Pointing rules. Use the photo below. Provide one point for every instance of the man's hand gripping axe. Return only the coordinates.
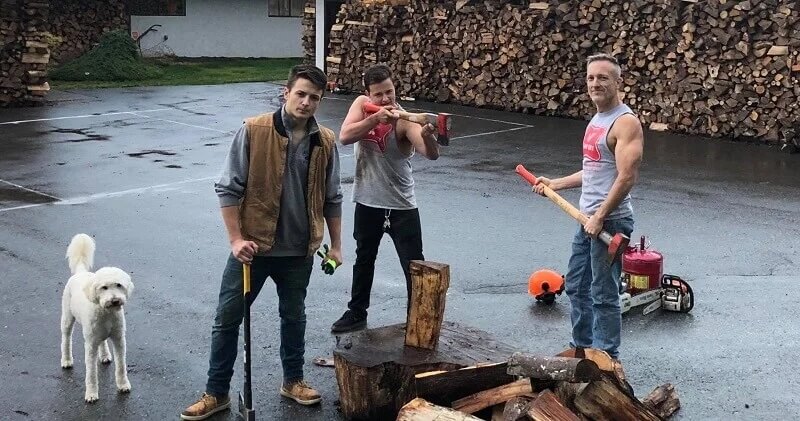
(440, 121)
(616, 243)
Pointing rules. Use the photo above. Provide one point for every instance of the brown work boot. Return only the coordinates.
(205, 407)
(301, 392)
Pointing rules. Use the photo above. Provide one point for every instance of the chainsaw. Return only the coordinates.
(675, 294)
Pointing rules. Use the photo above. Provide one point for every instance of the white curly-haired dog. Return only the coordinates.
(96, 301)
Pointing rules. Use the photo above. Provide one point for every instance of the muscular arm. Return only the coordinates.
(355, 126)
(421, 138)
(628, 153)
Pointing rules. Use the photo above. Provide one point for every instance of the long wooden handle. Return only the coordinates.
(553, 196)
(370, 108)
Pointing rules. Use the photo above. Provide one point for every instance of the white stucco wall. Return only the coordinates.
(230, 28)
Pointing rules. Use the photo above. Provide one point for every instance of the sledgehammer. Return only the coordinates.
(440, 121)
(616, 243)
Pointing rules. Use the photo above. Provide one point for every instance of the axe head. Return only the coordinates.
(442, 123)
(617, 246)
(443, 127)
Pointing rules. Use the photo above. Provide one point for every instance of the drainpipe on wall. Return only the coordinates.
(319, 34)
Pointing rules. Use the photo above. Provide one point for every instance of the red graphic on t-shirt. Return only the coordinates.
(379, 134)
(591, 142)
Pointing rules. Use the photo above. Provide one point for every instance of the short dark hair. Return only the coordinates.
(311, 73)
(376, 74)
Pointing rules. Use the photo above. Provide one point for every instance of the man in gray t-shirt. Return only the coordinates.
(612, 152)
(383, 188)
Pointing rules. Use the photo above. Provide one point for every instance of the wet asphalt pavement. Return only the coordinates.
(135, 168)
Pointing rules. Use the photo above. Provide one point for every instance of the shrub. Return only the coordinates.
(115, 58)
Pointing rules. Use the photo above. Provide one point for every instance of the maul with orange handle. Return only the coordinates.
(440, 121)
(616, 243)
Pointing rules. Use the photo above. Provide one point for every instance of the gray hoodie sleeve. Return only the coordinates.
(233, 180)
(333, 188)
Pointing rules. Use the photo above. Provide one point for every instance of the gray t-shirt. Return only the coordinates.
(600, 165)
(292, 232)
(383, 176)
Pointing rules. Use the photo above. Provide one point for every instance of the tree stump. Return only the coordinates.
(375, 369)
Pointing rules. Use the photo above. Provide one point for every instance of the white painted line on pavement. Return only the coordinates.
(29, 190)
(79, 116)
(182, 124)
(96, 196)
(488, 133)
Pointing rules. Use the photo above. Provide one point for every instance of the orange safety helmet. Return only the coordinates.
(545, 284)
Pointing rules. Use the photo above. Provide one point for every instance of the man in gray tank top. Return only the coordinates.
(612, 152)
(383, 188)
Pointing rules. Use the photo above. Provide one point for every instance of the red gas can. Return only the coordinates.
(642, 268)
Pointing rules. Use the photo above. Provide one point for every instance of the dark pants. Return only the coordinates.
(406, 233)
(291, 275)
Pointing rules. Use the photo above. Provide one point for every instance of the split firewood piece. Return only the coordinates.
(663, 400)
(476, 402)
(573, 370)
(515, 408)
(547, 407)
(421, 410)
(605, 400)
(444, 387)
(604, 362)
(566, 392)
(430, 282)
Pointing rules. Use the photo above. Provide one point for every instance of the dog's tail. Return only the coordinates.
(80, 253)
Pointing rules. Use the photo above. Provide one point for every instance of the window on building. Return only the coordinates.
(286, 8)
(157, 7)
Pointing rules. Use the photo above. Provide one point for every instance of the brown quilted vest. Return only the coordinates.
(261, 205)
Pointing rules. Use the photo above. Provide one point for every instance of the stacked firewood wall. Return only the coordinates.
(80, 24)
(309, 38)
(25, 51)
(719, 68)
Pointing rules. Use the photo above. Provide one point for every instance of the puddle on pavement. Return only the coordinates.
(151, 152)
(88, 135)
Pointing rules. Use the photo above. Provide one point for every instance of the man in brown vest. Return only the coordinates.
(279, 187)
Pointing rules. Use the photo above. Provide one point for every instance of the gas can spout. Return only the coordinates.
(641, 244)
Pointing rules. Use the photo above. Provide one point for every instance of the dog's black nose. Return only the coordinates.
(116, 302)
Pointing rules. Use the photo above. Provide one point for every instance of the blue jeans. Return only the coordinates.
(593, 284)
(291, 275)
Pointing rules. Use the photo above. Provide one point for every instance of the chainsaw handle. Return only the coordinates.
(527, 175)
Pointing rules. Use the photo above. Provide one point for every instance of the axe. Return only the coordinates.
(616, 243)
(440, 121)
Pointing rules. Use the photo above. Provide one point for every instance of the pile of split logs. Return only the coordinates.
(25, 52)
(80, 24)
(427, 369)
(718, 67)
(528, 387)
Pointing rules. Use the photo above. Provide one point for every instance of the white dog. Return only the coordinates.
(96, 301)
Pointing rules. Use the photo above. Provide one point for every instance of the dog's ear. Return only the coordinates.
(128, 284)
(90, 291)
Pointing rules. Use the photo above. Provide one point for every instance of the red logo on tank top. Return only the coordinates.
(591, 142)
(379, 134)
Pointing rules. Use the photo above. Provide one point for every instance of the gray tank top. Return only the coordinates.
(383, 172)
(600, 165)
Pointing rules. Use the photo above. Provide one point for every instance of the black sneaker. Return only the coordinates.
(349, 322)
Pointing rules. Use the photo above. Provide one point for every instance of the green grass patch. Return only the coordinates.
(196, 71)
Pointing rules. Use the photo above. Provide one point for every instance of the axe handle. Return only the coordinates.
(421, 119)
(553, 196)
(561, 202)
